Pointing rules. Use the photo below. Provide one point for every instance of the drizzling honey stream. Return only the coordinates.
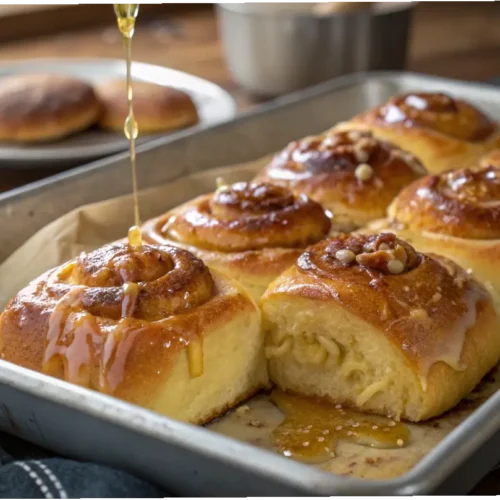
(126, 15)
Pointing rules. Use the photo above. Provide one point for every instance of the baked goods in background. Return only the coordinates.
(50, 107)
(45, 107)
(368, 321)
(251, 231)
(455, 214)
(157, 108)
(352, 174)
(330, 8)
(441, 131)
(150, 324)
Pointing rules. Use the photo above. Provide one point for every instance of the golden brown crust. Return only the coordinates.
(117, 319)
(491, 159)
(443, 132)
(352, 174)
(157, 108)
(252, 231)
(463, 203)
(424, 309)
(43, 107)
(437, 112)
(245, 216)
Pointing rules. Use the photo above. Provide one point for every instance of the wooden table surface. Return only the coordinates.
(458, 40)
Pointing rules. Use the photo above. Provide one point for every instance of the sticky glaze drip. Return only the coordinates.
(450, 350)
(312, 428)
(135, 236)
(130, 294)
(195, 356)
(95, 325)
(117, 346)
(426, 309)
(126, 15)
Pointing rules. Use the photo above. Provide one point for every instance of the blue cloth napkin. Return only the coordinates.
(27, 471)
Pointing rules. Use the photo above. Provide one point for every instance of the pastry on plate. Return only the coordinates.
(151, 325)
(45, 107)
(455, 214)
(441, 131)
(367, 321)
(157, 108)
(251, 231)
(352, 174)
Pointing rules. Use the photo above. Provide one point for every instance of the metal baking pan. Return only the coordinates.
(193, 461)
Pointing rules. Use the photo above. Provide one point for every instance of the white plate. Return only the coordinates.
(213, 103)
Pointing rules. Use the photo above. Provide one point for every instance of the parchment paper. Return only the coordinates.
(91, 226)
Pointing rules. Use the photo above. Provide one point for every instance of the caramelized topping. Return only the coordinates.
(480, 186)
(341, 153)
(112, 294)
(352, 174)
(463, 203)
(438, 112)
(134, 236)
(380, 252)
(240, 199)
(247, 216)
(312, 428)
(424, 304)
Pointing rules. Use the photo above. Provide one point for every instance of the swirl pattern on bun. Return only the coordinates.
(442, 131)
(143, 324)
(462, 203)
(252, 231)
(352, 174)
(368, 321)
(455, 214)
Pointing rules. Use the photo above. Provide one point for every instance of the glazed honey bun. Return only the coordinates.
(443, 132)
(148, 324)
(456, 214)
(352, 174)
(367, 321)
(252, 231)
(45, 107)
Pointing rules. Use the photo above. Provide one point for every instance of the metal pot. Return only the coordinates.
(271, 49)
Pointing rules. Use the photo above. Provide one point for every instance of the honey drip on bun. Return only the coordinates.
(126, 15)
(110, 297)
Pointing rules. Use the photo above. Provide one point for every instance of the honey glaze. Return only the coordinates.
(195, 356)
(312, 428)
(117, 346)
(126, 15)
(75, 337)
(70, 341)
(135, 236)
(130, 294)
(109, 302)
